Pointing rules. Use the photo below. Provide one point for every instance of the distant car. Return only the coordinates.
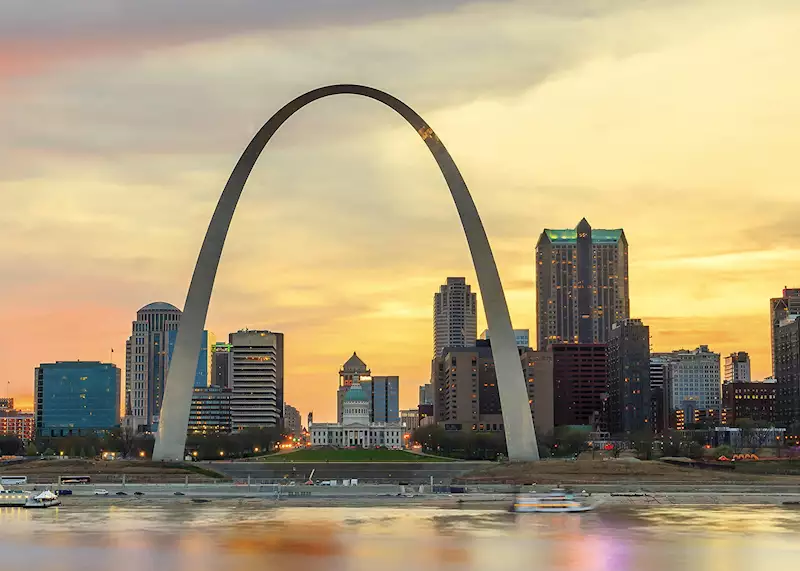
(121, 494)
(138, 493)
(179, 494)
(63, 492)
(101, 492)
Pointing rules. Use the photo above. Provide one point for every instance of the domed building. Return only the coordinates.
(355, 430)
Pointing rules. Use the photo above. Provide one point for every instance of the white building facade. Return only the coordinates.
(737, 368)
(255, 373)
(356, 430)
(694, 379)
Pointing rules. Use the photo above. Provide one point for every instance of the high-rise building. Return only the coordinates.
(426, 393)
(455, 316)
(660, 391)
(204, 374)
(76, 398)
(256, 377)
(353, 371)
(291, 420)
(787, 372)
(409, 419)
(737, 368)
(581, 284)
(580, 376)
(384, 394)
(6, 404)
(537, 366)
(629, 377)
(695, 382)
(780, 309)
(210, 411)
(756, 401)
(466, 392)
(220, 364)
(523, 337)
(147, 361)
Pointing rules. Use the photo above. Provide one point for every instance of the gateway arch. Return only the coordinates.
(171, 438)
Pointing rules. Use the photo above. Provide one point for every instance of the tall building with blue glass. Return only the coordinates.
(76, 398)
(384, 394)
(204, 373)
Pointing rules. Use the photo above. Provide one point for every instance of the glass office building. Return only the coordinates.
(77, 398)
(203, 376)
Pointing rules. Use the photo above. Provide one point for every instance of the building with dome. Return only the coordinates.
(355, 428)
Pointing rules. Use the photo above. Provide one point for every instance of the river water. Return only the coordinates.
(241, 535)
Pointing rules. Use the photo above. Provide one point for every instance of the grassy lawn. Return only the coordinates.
(351, 455)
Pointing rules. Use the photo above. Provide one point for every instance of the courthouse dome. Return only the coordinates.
(159, 306)
(355, 394)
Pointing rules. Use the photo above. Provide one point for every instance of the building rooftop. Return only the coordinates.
(354, 364)
(159, 306)
(570, 235)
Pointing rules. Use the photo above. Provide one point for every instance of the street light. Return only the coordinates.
(221, 453)
(141, 453)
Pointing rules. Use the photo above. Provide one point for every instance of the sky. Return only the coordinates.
(120, 121)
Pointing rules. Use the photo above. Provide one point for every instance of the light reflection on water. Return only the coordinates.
(234, 536)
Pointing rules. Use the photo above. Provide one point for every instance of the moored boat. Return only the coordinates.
(12, 498)
(46, 499)
(556, 501)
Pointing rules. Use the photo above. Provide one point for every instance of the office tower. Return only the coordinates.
(256, 377)
(6, 404)
(780, 309)
(384, 393)
(787, 373)
(353, 371)
(409, 419)
(147, 362)
(737, 368)
(466, 396)
(694, 380)
(455, 316)
(537, 366)
(204, 374)
(581, 284)
(580, 376)
(220, 364)
(291, 420)
(629, 377)
(76, 398)
(210, 411)
(523, 337)
(755, 401)
(426, 393)
(660, 391)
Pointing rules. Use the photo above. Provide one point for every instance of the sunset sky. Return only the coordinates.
(120, 122)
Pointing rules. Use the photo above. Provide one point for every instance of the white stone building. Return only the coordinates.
(356, 430)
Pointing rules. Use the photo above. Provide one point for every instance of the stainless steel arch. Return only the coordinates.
(520, 436)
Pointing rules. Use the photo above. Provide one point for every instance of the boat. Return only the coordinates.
(555, 501)
(12, 498)
(46, 499)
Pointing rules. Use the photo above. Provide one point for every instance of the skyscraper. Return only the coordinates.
(629, 376)
(660, 391)
(780, 309)
(204, 374)
(384, 393)
(737, 368)
(256, 377)
(426, 393)
(455, 316)
(581, 284)
(147, 361)
(787, 373)
(220, 354)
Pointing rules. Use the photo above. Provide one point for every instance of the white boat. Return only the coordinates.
(556, 501)
(12, 498)
(46, 499)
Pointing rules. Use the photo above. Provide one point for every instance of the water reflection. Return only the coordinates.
(244, 535)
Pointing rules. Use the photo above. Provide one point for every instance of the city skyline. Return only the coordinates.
(87, 249)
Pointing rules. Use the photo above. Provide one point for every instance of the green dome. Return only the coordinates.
(355, 394)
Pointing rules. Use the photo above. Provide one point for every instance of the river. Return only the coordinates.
(232, 535)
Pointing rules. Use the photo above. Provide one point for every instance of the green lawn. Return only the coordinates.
(351, 455)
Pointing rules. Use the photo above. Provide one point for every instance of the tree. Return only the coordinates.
(11, 446)
(31, 450)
